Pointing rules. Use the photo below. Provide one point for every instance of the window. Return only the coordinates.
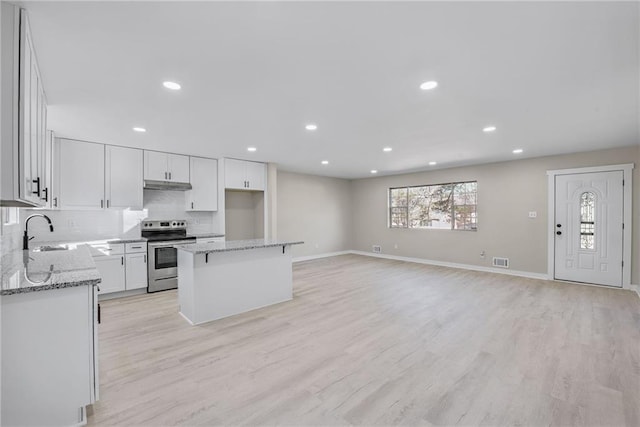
(444, 206)
(587, 220)
(9, 216)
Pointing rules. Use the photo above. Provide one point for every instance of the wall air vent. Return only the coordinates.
(377, 249)
(501, 262)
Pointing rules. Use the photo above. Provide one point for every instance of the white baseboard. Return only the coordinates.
(317, 256)
(121, 294)
(527, 274)
(635, 288)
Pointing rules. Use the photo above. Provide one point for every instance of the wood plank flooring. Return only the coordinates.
(369, 341)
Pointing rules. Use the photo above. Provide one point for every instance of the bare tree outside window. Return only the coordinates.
(443, 206)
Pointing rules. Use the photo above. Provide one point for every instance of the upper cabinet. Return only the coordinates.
(95, 176)
(244, 175)
(79, 170)
(204, 182)
(24, 114)
(160, 166)
(123, 179)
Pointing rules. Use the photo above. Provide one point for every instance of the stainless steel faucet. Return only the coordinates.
(26, 238)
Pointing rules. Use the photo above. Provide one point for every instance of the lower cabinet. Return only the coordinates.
(112, 271)
(123, 267)
(49, 350)
(136, 271)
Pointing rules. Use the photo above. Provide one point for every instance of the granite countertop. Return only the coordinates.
(125, 240)
(235, 245)
(30, 271)
(205, 235)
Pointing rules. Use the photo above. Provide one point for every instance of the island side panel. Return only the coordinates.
(186, 284)
(238, 281)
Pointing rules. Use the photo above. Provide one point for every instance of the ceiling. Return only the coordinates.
(552, 77)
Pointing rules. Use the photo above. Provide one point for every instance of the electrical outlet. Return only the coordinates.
(482, 254)
(533, 214)
(377, 249)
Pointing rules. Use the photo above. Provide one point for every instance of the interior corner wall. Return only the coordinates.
(314, 209)
(507, 192)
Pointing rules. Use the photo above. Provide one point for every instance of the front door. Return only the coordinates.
(588, 228)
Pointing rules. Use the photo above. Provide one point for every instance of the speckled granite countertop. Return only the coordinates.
(30, 271)
(124, 240)
(205, 235)
(235, 245)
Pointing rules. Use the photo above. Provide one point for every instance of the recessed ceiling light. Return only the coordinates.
(252, 149)
(489, 129)
(387, 149)
(433, 163)
(311, 126)
(139, 129)
(325, 162)
(429, 85)
(171, 85)
(518, 151)
(374, 171)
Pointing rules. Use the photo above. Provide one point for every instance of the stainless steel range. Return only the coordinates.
(162, 237)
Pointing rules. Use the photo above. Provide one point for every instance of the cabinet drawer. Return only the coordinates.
(132, 248)
(105, 249)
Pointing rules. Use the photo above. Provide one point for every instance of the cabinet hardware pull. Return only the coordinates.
(121, 260)
(169, 176)
(46, 195)
(191, 205)
(55, 202)
(145, 258)
(107, 202)
(37, 183)
(101, 203)
(136, 247)
(165, 175)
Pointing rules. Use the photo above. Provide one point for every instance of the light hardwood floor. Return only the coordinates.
(371, 341)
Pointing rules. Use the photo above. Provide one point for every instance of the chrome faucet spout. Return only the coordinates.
(26, 238)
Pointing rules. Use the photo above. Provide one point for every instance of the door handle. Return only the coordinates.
(559, 233)
(37, 183)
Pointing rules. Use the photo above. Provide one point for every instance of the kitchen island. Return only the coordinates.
(217, 280)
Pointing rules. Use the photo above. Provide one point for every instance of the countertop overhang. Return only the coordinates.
(236, 245)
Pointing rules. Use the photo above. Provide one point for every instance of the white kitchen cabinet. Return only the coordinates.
(112, 271)
(49, 356)
(123, 180)
(244, 175)
(136, 271)
(204, 182)
(24, 114)
(79, 174)
(160, 166)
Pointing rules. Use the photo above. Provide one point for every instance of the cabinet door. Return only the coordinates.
(155, 166)
(81, 174)
(124, 177)
(235, 174)
(204, 180)
(255, 175)
(136, 275)
(28, 119)
(111, 269)
(178, 168)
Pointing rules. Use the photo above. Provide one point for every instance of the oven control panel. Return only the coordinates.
(173, 224)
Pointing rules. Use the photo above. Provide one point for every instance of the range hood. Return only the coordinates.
(150, 184)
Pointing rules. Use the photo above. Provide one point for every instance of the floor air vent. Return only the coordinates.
(377, 249)
(501, 262)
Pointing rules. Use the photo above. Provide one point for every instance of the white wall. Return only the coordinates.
(244, 215)
(314, 209)
(506, 193)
